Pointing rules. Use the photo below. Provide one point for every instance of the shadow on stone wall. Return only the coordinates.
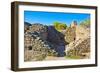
(57, 41)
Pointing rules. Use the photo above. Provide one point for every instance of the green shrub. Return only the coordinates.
(59, 26)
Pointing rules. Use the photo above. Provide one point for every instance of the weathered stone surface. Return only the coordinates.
(70, 34)
(35, 48)
(60, 49)
(35, 44)
(39, 28)
(80, 49)
(82, 32)
(73, 24)
(57, 40)
(54, 36)
(78, 38)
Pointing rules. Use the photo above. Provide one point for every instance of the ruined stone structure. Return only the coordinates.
(82, 32)
(70, 34)
(74, 24)
(81, 49)
(57, 41)
(78, 38)
(41, 41)
(41, 29)
(36, 47)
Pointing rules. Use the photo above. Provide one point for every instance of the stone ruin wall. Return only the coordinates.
(70, 34)
(36, 48)
(82, 49)
(77, 35)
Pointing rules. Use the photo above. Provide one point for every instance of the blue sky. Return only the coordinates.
(48, 18)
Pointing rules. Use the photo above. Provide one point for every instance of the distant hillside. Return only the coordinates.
(26, 23)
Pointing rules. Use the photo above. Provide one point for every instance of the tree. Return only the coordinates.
(59, 26)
